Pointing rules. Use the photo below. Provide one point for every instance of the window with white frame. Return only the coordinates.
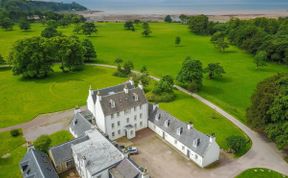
(112, 116)
(127, 119)
(112, 125)
(135, 118)
(140, 116)
(113, 134)
(118, 123)
(119, 132)
(135, 125)
(141, 123)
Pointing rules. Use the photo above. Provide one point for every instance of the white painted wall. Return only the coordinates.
(212, 154)
(99, 116)
(90, 103)
(122, 118)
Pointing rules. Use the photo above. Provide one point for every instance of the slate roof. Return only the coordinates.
(36, 164)
(122, 101)
(125, 169)
(187, 137)
(81, 122)
(63, 152)
(111, 90)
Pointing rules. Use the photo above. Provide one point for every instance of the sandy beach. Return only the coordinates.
(120, 16)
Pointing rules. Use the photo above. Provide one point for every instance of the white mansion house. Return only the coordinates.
(123, 109)
(120, 110)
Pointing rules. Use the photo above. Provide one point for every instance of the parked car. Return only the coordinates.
(132, 150)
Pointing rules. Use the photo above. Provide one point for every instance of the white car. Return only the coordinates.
(132, 150)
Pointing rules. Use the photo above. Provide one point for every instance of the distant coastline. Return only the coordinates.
(97, 15)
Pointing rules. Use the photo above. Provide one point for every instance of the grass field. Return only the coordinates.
(160, 55)
(260, 173)
(14, 147)
(22, 100)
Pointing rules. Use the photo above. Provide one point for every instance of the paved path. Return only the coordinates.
(262, 153)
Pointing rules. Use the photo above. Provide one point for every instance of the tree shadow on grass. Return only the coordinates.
(229, 51)
(212, 90)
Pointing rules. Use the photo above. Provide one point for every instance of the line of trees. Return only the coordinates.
(34, 57)
(260, 35)
(25, 12)
(268, 112)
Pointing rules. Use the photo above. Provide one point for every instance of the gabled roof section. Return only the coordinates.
(122, 101)
(125, 169)
(81, 122)
(188, 137)
(36, 164)
(62, 153)
(111, 90)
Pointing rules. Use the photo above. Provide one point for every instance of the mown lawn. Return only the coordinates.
(160, 55)
(22, 100)
(13, 149)
(60, 137)
(260, 173)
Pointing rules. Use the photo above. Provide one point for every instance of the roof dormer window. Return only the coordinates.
(196, 142)
(112, 103)
(135, 97)
(167, 123)
(179, 131)
(158, 117)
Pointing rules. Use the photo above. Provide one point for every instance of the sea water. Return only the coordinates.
(186, 6)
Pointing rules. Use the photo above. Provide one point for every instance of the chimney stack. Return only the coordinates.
(77, 110)
(189, 125)
(155, 106)
(131, 81)
(126, 89)
(140, 85)
(99, 96)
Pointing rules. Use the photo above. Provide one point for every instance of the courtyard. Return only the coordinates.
(162, 160)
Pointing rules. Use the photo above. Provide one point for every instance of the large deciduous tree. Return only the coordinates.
(24, 25)
(29, 58)
(89, 50)
(260, 59)
(50, 31)
(146, 29)
(191, 74)
(68, 51)
(214, 70)
(88, 28)
(269, 109)
(129, 25)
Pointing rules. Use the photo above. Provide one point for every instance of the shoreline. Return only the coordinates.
(97, 15)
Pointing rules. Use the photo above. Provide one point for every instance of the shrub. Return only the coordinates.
(15, 132)
(236, 143)
(42, 143)
(163, 97)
